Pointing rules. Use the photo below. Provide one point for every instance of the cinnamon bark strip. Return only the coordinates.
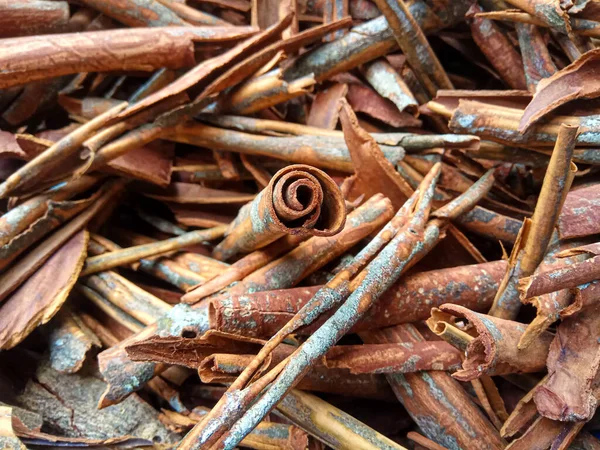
(367, 101)
(324, 111)
(575, 81)
(132, 254)
(389, 84)
(412, 142)
(536, 233)
(579, 26)
(127, 296)
(334, 10)
(190, 193)
(497, 49)
(537, 61)
(93, 51)
(331, 425)
(192, 15)
(394, 358)
(225, 368)
(490, 224)
(318, 151)
(550, 12)
(414, 45)
(444, 412)
(545, 433)
(580, 215)
(243, 267)
(22, 269)
(19, 18)
(494, 350)
(561, 278)
(22, 216)
(41, 296)
(124, 321)
(299, 199)
(204, 73)
(163, 268)
(267, 435)
(138, 13)
(262, 314)
(259, 93)
(568, 394)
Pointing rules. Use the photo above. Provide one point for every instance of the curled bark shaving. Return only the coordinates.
(373, 172)
(575, 81)
(298, 200)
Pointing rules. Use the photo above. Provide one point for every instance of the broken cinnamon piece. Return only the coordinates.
(494, 350)
(48, 287)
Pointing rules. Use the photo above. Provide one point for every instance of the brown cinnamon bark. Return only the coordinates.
(298, 200)
(93, 51)
(493, 351)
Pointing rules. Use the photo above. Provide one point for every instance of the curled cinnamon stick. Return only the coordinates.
(299, 199)
(494, 350)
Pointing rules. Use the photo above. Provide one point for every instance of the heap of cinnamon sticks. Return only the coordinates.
(298, 224)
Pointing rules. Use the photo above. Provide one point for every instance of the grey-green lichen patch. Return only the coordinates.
(68, 405)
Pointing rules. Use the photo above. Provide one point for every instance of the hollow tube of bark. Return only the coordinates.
(409, 141)
(389, 84)
(494, 350)
(394, 358)
(536, 233)
(225, 368)
(299, 199)
(501, 124)
(561, 278)
(263, 314)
